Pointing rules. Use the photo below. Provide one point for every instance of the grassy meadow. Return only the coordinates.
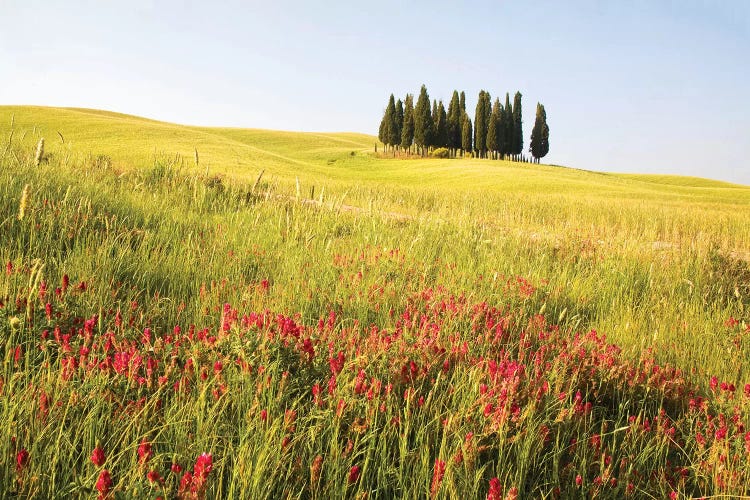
(183, 328)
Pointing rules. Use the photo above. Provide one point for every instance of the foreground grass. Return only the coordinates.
(325, 354)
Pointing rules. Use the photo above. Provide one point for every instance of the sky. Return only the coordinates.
(650, 86)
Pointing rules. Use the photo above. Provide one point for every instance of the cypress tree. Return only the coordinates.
(423, 121)
(508, 125)
(536, 134)
(390, 122)
(399, 121)
(544, 146)
(539, 146)
(480, 126)
(441, 127)
(493, 139)
(454, 122)
(502, 146)
(407, 127)
(383, 130)
(434, 123)
(466, 133)
(481, 122)
(462, 102)
(517, 125)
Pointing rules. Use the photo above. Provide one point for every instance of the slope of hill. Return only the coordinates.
(539, 330)
(134, 142)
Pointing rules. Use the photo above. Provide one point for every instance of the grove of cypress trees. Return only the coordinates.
(407, 127)
(423, 121)
(517, 126)
(466, 133)
(495, 128)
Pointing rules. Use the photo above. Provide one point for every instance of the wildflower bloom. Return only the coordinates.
(22, 459)
(144, 452)
(203, 465)
(496, 490)
(315, 469)
(714, 383)
(185, 484)
(437, 476)
(353, 474)
(97, 456)
(154, 477)
(104, 483)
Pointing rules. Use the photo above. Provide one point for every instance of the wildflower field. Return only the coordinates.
(471, 329)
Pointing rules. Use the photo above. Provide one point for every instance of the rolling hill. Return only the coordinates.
(548, 331)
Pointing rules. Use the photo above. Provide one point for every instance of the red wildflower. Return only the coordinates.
(97, 456)
(22, 459)
(154, 477)
(104, 483)
(315, 469)
(496, 490)
(144, 452)
(353, 474)
(437, 476)
(512, 494)
(340, 407)
(185, 483)
(176, 468)
(579, 480)
(714, 383)
(721, 432)
(316, 390)
(203, 466)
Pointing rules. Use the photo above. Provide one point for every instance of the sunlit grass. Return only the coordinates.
(660, 269)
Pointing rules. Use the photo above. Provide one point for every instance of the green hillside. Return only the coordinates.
(355, 326)
(345, 167)
(134, 142)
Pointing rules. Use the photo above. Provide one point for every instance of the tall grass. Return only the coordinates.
(324, 353)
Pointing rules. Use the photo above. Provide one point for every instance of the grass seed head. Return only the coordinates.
(24, 202)
(39, 152)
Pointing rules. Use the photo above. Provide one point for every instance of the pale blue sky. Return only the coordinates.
(635, 86)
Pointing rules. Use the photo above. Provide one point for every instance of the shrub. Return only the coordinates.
(441, 153)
